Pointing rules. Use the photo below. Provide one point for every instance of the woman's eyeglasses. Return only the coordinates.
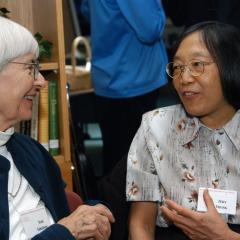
(35, 65)
(194, 67)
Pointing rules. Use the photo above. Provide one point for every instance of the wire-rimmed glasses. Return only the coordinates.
(35, 65)
(194, 67)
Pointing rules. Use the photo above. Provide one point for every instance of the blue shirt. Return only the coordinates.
(129, 55)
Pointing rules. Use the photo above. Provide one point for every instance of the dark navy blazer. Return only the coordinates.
(43, 174)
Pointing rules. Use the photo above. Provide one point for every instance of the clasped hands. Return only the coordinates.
(197, 225)
(89, 222)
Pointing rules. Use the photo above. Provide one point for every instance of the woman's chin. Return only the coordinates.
(194, 111)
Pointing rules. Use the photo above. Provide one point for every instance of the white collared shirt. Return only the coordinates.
(172, 155)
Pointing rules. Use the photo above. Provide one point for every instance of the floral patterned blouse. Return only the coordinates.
(172, 155)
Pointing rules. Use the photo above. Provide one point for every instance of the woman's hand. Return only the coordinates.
(89, 222)
(196, 225)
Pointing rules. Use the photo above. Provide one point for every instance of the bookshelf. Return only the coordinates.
(46, 17)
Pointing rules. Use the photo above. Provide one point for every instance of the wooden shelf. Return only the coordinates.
(59, 158)
(49, 66)
(66, 169)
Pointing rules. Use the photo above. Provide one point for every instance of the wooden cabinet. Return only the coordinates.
(46, 17)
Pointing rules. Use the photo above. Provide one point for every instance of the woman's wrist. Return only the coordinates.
(231, 235)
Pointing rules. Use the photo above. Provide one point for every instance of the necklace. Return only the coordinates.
(13, 195)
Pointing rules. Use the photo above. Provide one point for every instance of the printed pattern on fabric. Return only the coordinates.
(173, 154)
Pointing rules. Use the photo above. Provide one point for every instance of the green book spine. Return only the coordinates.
(53, 118)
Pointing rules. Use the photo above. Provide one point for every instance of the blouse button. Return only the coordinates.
(215, 183)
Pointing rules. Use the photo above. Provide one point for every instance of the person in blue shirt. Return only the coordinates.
(128, 59)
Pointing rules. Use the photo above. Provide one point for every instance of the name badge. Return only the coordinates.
(34, 221)
(225, 201)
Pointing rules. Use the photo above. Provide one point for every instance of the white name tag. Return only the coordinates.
(225, 201)
(34, 221)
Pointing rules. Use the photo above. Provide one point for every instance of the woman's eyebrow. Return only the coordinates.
(193, 56)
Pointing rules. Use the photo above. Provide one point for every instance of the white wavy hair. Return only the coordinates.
(15, 41)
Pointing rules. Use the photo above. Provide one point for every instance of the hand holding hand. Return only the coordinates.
(196, 225)
(89, 222)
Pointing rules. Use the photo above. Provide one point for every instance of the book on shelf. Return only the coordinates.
(53, 117)
(34, 120)
(43, 129)
(25, 127)
(21, 127)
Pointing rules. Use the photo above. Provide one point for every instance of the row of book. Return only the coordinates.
(44, 126)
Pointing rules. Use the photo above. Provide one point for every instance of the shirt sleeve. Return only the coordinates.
(55, 232)
(147, 18)
(142, 180)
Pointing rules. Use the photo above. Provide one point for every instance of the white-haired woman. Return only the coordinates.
(32, 198)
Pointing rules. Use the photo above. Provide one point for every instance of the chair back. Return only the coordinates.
(74, 200)
(84, 180)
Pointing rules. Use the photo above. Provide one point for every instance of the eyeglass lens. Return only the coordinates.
(35, 65)
(195, 68)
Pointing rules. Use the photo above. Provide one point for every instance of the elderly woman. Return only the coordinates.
(180, 148)
(32, 198)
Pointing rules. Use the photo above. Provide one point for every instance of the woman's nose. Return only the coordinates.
(186, 76)
(40, 81)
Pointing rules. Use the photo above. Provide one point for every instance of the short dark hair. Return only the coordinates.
(223, 43)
